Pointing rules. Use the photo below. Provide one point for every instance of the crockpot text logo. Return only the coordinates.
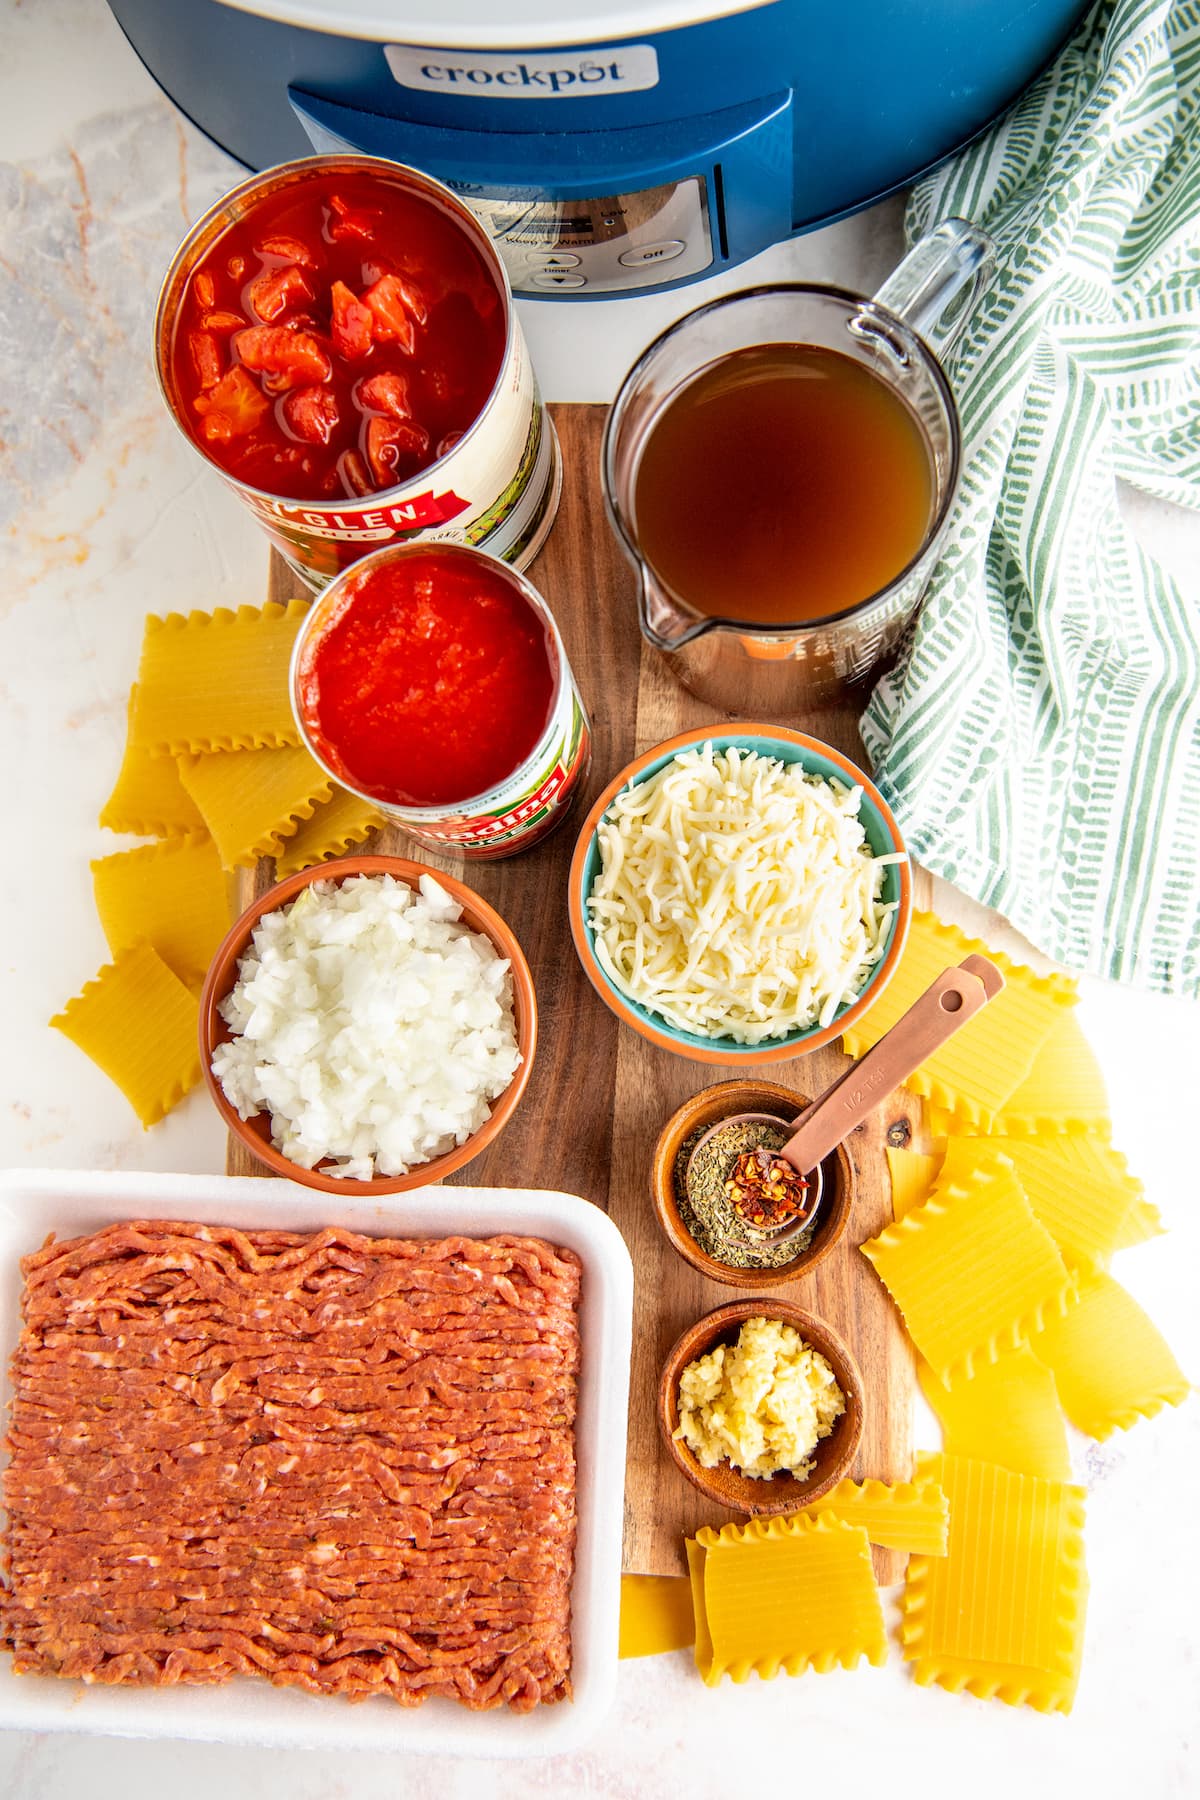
(557, 75)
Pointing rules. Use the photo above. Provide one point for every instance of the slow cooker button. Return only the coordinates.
(642, 254)
(552, 259)
(557, 278)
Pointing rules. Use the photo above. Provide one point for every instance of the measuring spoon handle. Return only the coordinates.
(945, 1006)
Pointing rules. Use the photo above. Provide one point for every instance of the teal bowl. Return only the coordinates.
(883, 834)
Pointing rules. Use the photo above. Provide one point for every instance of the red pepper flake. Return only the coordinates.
(766, 1191)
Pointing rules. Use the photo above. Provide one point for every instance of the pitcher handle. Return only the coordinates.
(937, 269)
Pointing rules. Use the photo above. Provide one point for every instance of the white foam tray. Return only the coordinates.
(70, 1203)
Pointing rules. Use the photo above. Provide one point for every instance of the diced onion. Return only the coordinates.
(371, 1023)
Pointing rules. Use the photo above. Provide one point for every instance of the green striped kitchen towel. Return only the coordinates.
(1040, 741)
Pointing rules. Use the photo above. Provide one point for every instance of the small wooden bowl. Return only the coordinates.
(709, 1107)
(255, 1132)
(831, 1458)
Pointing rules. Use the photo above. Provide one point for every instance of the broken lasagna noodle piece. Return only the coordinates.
(341, 1463)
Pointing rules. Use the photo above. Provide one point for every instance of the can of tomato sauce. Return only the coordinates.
(337, 338)
(431, 679)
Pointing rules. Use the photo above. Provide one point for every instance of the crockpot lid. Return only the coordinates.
(473, 24)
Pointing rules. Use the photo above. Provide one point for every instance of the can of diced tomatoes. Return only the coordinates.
(431, 679)
(337, 338)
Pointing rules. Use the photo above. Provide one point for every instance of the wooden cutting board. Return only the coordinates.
(599, 1093)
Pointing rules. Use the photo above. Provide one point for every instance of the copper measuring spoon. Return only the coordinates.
(944, 1008)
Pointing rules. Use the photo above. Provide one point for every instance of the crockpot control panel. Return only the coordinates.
(605, 245)
(662, 204)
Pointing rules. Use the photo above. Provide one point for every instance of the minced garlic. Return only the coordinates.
(762, 1404)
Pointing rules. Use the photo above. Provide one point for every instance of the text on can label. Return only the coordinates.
(419, 512)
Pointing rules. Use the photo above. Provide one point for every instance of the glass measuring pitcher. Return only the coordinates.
(771, 669)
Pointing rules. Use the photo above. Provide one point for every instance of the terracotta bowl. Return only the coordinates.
(882, 832)
(255, 1132)
(831, 1458)
(709, 1107)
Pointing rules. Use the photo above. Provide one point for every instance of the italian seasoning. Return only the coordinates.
(705, 1208)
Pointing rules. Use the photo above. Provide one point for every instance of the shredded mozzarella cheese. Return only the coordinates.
(738, 896)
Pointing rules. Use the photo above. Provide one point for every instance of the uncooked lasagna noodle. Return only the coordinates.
(1077, 1186)
(972, 1271)
(171, 894)
(148, 798)
(658, 1611)
(1111, 1364)
(252, 800)
(913, 1174)
(1002, 1614)
(899, 1515)
(1064, 1090)
(340, 1463)
(158, 1063)
(972, 1076)
(1006, 1412)
(337, 824)
(216, 681)
(656, 1615)
(786, 1593)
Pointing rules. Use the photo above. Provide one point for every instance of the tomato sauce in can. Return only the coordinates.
(432, 681)
(337, 338)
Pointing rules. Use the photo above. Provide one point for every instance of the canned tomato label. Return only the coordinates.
(527, 808)
(431, 680)
(337, 338)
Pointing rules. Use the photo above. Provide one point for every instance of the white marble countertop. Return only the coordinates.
(106, 515)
